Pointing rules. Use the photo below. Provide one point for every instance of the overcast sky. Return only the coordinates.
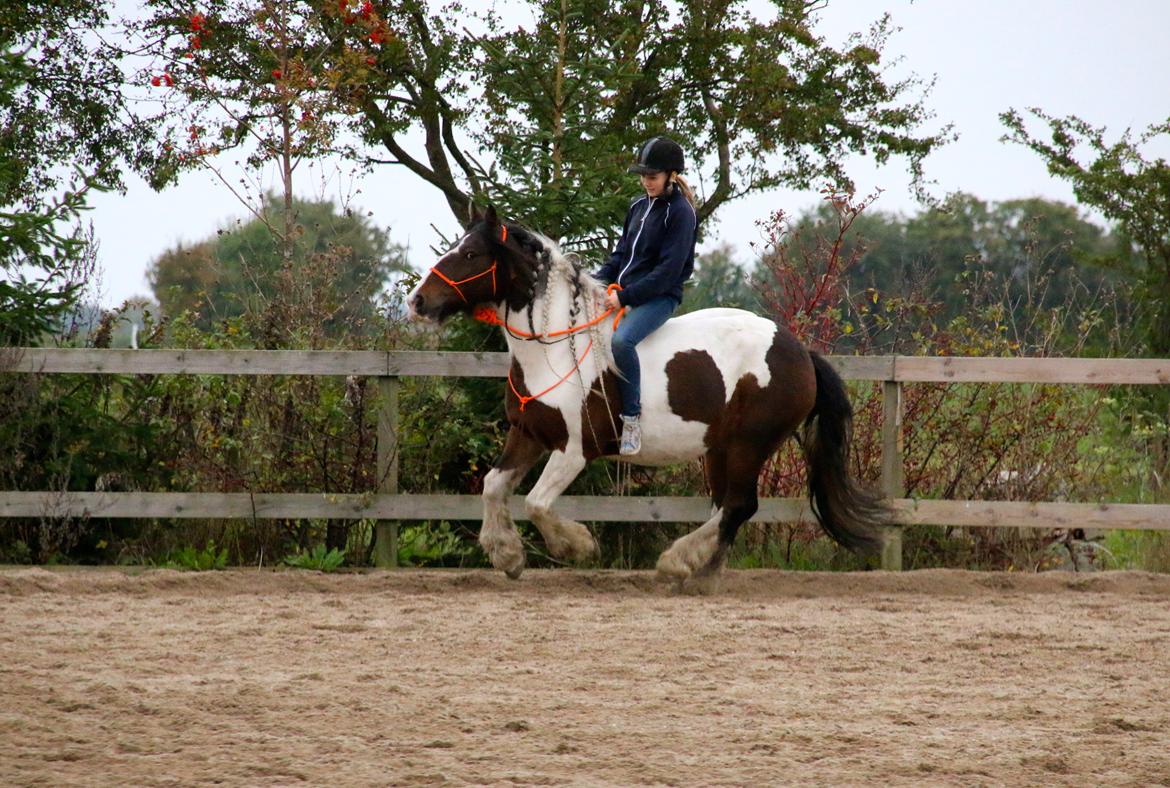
(1109, 65)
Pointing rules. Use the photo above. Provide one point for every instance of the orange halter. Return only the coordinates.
(492, 270)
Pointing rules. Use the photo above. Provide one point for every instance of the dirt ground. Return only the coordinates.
(582, 677)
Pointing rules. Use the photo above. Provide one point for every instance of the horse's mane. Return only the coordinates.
(541, 263)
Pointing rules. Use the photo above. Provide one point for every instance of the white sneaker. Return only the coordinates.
(631, 435)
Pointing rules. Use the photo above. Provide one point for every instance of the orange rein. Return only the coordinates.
(485, 314)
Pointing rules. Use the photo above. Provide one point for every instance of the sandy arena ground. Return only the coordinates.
(582, 677)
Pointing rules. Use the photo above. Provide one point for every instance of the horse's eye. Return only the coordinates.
(469, 255)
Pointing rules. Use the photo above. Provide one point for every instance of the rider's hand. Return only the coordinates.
(611, 300)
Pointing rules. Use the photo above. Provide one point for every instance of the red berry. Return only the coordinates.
(156, 81)
(167, 78)
(276, 73)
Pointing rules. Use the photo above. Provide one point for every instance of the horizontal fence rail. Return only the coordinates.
(411, 363)
(389, 505)
(665, 509)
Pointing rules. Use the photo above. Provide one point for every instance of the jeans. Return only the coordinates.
(636, 325)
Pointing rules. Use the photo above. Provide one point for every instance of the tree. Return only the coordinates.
(68, 107)
(1116, 179)
(1025, 241)
(555, 111)
(343, 258)
(766, 101)
(45, 265)
(719, 281)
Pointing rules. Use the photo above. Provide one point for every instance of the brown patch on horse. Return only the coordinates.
(695, 389)
(542, 423)
(765, 415)
(600, 433)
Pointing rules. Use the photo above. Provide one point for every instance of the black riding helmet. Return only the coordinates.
(658, 154)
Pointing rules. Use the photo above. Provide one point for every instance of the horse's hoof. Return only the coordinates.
(581, 546)
(506, 552)
(670, 569)
(510, 563)
(704, 582)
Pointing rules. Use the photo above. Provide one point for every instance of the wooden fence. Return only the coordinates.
(388, 505)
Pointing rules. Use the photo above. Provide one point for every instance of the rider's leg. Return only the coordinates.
(637, 324)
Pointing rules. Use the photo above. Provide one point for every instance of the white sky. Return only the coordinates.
(1111, 66)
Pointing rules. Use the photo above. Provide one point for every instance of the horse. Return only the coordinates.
(724, 385)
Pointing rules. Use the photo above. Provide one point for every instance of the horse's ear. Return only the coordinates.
(474, 214)
(490, 217)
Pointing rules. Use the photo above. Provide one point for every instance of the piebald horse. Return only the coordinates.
(722, 384)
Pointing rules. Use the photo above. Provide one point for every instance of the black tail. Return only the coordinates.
(847, 511)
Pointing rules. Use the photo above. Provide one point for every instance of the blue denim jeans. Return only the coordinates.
(638, 323)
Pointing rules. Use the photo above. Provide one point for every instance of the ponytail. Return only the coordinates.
(684, 187)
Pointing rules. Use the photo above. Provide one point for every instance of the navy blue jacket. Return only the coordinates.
(656, 252)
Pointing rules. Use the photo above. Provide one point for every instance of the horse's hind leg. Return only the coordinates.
(691, 552)
(498, 535)
(696, 560)
(565, 539)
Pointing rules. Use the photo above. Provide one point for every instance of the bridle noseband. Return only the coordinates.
(490, 270)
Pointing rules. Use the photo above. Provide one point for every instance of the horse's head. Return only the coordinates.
(482, 268)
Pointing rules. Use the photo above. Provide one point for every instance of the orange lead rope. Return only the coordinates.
(487, 315)
(526, 398)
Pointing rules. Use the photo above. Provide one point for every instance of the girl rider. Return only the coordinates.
(652, 259)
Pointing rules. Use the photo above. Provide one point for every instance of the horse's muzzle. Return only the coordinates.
(415, 305)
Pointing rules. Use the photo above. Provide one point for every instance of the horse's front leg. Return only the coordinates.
(566, 539)
(498, 535)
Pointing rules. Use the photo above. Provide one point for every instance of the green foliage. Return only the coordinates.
(1041, 257)
(566, 101)
(719, 281)
(787, 547)
(318, 559)
(270, 82)
(341, 262)
(60, 99)
(15, 552)
(966, 441)
(45, 256)
(555, 108)
(1145, 550)
(1116, 178)
(204, 560)
(435, 544)
(1127, 188)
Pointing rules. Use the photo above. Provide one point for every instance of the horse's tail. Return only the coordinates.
(847, 511)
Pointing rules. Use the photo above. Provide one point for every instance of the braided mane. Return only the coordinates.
(539, 264)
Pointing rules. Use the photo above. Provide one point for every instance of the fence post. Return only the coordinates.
(893, 483)
(386, 531)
